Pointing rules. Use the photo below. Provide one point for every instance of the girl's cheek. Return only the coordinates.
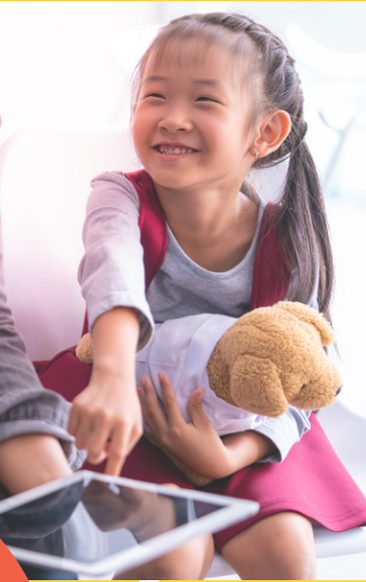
(138, 126)
(142, 120)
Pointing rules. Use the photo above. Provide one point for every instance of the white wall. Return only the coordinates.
(57, 65)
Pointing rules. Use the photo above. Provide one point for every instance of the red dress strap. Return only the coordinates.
(152, 223)
(271, 276)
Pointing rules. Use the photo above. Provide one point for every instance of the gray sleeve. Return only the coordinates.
(25, 406)
(285, 431)
(111, 272)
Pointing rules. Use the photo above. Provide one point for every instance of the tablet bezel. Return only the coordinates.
(232, 511)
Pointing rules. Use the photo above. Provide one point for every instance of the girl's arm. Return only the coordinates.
(246, 448)
(197, 444)
(106, 418)
(111, 272)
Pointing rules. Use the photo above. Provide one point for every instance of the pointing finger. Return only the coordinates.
(117, 452)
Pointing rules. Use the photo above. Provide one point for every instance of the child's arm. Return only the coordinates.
(106, 417)
(48, 462)
(197, 444)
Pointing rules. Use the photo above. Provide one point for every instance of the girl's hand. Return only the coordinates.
(196, 443)
(106, 417)
(106, 420)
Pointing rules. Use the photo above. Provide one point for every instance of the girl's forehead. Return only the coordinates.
(197, 54)
(178, 52)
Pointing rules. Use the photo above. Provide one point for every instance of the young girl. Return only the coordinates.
(215, 95)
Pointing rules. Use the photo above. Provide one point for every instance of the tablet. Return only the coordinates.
(97, 525)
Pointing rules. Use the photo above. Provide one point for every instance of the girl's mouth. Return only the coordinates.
(174, 149)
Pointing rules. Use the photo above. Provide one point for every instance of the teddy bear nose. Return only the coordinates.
(339, 390)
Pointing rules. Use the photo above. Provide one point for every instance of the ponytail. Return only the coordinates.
(304, 229)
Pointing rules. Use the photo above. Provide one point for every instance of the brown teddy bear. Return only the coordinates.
(265, 360)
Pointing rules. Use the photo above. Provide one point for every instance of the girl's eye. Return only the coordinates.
(157, 95)
(206, 99)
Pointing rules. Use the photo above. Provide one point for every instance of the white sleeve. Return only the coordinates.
(111, 272)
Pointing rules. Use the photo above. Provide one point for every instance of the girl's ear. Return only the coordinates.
(273, 130)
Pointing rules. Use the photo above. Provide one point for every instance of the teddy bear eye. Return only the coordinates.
(302, 387)
(339, 390)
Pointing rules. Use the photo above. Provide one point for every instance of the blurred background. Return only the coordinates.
(70, 63)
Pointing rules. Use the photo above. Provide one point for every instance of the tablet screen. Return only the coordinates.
(91, 520)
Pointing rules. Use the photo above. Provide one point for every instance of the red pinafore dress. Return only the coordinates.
(311, 480)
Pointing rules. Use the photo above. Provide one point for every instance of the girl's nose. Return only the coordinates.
(175, 120)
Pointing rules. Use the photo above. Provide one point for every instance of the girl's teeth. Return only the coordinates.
(174, 150)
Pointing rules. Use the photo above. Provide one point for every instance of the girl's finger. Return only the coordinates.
(82, 432)
(141, 396)
(73, 421)
(196, 411)
(144, 407)
(144, 410)
(173, 412)
(152, 413)
(96, 460)
(118, 451)
(97, 441)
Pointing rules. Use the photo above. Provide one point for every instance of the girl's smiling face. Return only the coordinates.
(192, 119)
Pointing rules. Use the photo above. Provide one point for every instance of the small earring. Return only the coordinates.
(256, 155)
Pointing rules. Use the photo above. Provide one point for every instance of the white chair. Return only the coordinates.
(44, 184)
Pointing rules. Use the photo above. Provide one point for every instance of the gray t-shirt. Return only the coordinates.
(111, 274)
(181, 287)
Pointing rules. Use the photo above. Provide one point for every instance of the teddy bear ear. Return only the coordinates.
(84, 349)
(312, 316)
(256, 387)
